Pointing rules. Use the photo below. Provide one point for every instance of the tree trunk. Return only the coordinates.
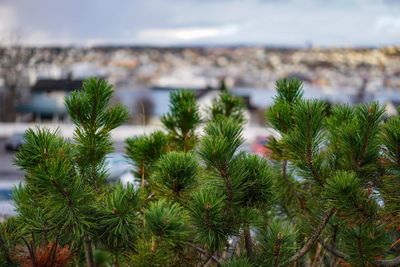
(248, 242)
(116, 261)
(8, 110)
(142, 171)
(88, 252)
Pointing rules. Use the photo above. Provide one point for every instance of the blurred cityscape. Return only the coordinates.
(46, 75)
(255, 67)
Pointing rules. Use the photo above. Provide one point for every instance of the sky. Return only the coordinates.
(201, 22)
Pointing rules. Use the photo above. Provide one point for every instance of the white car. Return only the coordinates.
(120, 168)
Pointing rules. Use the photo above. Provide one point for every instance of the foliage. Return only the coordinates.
(344, 192)
(145, 151)
(344, 166)
(237, 262)
(89, 110)
(207, 217)
(328, 195)
(227, 106)
(277, 244)
(165, 222)
(182, 120)
(119, 219)
(54, 202)
(175, 175)
(65, 182)
(48, 255)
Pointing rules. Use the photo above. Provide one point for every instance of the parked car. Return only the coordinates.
(7, 206)
(14, 142)
(120, 168)
(260, 146)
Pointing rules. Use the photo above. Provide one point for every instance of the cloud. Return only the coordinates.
(388, 25)
(163, 22)
(392, 2)
(8, 21)
(171, 35)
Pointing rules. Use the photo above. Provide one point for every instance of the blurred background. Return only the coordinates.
(343, 51)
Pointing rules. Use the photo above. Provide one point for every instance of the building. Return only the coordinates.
(47, 101)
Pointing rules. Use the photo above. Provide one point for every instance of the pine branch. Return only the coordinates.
(88, 252)
(205, 252)
(53, 250)
(284, 170)
(391, 139)
(248, 242)
(144, 151)
(277, 252)
(227, 106)
(182, 119)
(383, 263)
(276, 244)
(305, 140)
(32, 252)
(280, 115)
(314, 238)
(389, 263)
(218, 147)
(344, 192)
(371, 115)
(229, 189)
(175, 175)
(332, 250)
(206, 215)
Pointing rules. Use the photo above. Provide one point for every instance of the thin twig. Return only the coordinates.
(383, 263)
(332, 250)
(205, 252)
(389, 263)
(313, 239)
(395, 244)
(31, 252)
(248, 241)
(54, 250)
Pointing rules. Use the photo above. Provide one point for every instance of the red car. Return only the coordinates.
(259, 146)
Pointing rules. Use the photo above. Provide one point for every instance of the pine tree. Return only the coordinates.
(228, 106)
(328, 196)
(145, 151)
(62, 200)
(182, 120)
(340, 165)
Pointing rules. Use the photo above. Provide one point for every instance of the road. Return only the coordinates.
(8, 171)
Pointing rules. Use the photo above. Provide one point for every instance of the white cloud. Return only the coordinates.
(7, 18)
(388, 26)
(163, 36)
(161, 22)
(8, 25)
